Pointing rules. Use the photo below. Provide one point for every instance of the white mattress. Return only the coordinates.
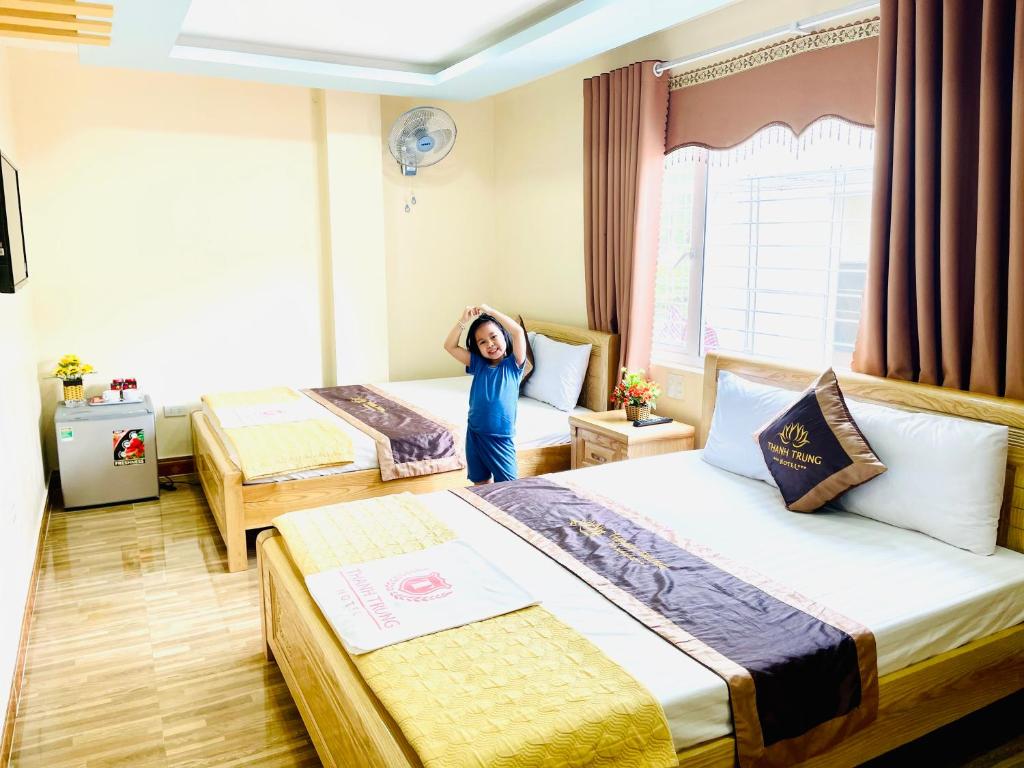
(539, 425)
(919, 596)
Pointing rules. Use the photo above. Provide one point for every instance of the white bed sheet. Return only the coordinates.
(539, 425)
(919, 596)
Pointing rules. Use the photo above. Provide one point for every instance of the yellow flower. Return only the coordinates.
(71, 367)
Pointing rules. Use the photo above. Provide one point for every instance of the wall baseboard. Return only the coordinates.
(7, 741)
(174, 465)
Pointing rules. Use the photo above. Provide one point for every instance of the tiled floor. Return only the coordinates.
(144, 651)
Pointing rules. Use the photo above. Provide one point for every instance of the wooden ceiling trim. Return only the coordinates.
(52, 35)
(98, 10)
(63, 21)
(53, 21)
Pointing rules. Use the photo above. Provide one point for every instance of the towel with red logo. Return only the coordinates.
(382, 602)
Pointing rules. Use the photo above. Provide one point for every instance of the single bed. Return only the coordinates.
(544, 447)
(947, 622)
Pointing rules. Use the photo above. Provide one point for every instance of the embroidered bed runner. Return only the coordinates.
(801, 678)
(518, 690)
(410, 443)
(276, 431)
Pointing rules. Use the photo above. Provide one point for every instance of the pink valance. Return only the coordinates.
(796, 90)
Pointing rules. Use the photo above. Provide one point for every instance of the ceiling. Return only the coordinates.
(448, 49)
(408, 33)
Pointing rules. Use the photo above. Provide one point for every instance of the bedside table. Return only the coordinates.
(602, 437)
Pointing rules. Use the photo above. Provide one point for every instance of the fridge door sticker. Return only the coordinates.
(129, 447)
(67, 434)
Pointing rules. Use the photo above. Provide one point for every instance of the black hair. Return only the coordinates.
(482, 318)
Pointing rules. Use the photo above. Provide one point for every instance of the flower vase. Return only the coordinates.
(74, 392)
(637, 412)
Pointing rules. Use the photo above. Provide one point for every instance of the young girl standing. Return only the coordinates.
(495, 356)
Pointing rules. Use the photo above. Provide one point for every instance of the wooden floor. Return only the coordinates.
(144, 651)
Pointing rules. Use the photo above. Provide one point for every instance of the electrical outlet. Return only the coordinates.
(175, 410)
(675, 386)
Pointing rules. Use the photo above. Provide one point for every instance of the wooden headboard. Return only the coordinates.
(603, 370)
(908, 396)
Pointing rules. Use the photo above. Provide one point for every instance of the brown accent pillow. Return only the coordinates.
(528, 367)
(814, 449)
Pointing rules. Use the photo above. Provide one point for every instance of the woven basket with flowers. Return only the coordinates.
(636, 393)
(70, 371)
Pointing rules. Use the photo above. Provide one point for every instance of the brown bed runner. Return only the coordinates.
(410, 443)
(801, 678)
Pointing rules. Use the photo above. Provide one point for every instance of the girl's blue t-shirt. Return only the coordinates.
(494, 396)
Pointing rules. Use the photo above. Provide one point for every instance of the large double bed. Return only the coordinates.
(947, 622)
(542, 446)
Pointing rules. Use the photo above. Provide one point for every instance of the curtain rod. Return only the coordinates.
(801, 27)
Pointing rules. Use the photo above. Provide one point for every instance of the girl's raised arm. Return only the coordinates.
(451, 342)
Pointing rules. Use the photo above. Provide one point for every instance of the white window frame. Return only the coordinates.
(691, 353)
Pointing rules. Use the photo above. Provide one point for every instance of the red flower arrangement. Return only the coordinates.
(634, 389)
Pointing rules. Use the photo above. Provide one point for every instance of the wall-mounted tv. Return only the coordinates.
(13, 264)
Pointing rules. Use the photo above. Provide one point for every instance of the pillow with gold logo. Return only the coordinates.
(814, 449)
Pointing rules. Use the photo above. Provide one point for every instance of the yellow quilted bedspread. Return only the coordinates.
(273, 449)
(251, 397)
(518, 690)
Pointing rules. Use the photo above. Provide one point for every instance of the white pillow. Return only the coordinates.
(558, 371)
(945, 475)
(741, 408)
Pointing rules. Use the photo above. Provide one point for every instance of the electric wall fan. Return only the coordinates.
(421, 137)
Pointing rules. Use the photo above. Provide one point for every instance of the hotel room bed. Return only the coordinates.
(539, 425)
(948, 623)
(542, 443)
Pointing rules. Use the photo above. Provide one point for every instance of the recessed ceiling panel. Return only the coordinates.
(431, 35)
(445, 49)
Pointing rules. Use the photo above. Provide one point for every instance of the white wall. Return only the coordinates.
(441, 255)
(355, 200)
(22, 488)
(172, 227)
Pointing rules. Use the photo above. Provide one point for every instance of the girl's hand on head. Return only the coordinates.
(486, 309)
(468, 314)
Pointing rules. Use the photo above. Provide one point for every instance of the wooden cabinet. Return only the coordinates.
(603, 437)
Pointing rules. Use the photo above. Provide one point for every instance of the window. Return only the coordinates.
(763, 247)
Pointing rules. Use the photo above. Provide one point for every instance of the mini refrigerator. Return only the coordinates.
(107, 453)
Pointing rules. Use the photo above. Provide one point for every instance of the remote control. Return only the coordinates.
(652, 420)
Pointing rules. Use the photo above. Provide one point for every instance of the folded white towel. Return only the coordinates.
(394, 599)
(235, 416)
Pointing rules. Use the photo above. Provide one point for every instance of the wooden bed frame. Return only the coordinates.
(349, 726)
(237, 507)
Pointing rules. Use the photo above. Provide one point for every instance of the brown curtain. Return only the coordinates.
(624, 118)
(944, 302)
